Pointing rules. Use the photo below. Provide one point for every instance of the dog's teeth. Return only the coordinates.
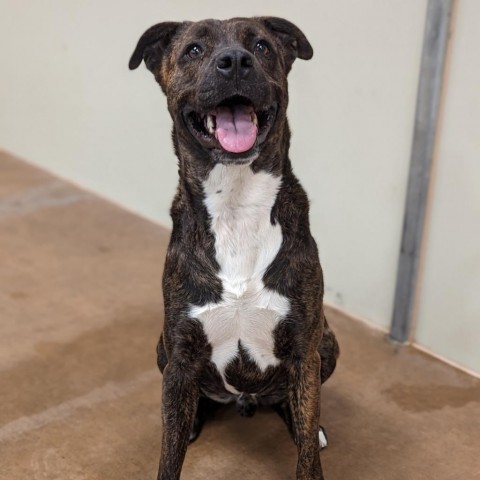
(254, 119)
(210, 124)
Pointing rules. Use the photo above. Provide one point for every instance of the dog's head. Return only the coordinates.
(225, 81)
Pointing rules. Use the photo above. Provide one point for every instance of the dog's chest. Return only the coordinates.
(246, 243)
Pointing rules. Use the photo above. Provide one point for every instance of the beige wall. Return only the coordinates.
(69, 103)
(449, 308)
(352, 115)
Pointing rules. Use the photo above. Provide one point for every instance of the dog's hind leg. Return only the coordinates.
(283, 411)
(205, 410)
(328, 351)
(162, 359)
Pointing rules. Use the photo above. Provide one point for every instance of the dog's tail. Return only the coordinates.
(329, 352)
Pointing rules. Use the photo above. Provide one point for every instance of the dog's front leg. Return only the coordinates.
(304, 403)
(180, 398)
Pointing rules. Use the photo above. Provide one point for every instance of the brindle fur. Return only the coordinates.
(304, 344)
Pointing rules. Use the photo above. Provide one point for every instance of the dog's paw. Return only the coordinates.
(322, 436)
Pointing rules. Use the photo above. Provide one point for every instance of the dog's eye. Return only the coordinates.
(262, 47)
(194, 51)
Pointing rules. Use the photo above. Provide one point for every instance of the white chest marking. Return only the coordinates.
(239, 203)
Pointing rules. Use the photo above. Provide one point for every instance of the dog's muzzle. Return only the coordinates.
(234, 125)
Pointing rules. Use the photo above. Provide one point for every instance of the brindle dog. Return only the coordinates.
(243, 286)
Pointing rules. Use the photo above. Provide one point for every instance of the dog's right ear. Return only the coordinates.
(152, 45)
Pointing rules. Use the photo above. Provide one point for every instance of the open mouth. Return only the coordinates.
(234, 125)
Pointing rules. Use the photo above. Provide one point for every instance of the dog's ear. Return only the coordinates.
(152, 45)
(291, 37)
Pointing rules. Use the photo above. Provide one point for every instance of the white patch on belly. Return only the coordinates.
(239, 203)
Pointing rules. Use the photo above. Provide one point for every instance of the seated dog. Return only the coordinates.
(243, 286)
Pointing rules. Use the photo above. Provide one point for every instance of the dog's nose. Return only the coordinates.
(235, 63)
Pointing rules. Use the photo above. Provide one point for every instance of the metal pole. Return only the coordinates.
(428, 101)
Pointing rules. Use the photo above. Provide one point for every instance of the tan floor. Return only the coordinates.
(80, 313)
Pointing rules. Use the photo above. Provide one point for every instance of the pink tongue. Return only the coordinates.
(235, 130)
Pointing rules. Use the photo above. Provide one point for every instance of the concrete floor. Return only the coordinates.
(80, 313)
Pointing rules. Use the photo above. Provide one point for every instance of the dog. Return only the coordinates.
(242, 284)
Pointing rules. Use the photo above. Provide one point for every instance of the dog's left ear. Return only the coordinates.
(291, 37)
(152, 45)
